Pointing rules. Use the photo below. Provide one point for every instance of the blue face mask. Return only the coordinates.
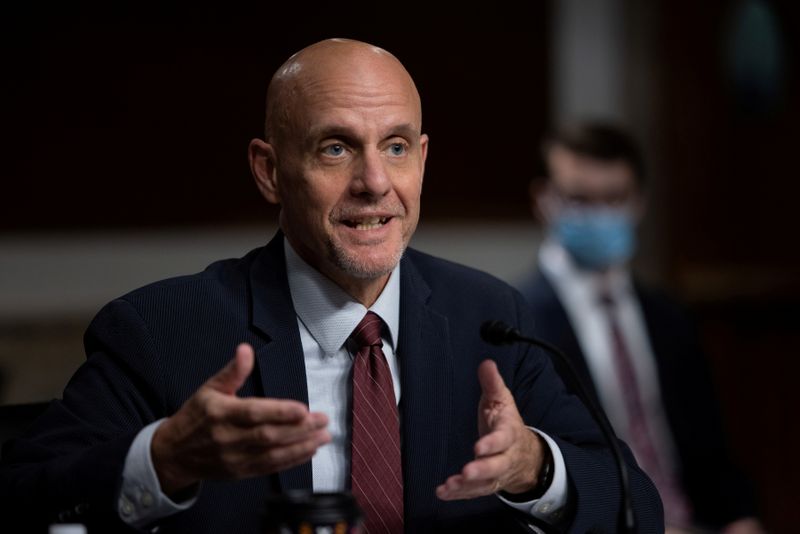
(596, 238)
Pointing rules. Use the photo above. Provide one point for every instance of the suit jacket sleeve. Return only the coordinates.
(68, 466)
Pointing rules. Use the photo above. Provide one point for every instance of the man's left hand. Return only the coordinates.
(508, 455)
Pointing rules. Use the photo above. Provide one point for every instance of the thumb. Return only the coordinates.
(495, 397)
(492, 385)
(231, 377)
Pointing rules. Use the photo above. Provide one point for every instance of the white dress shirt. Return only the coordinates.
(326, 316)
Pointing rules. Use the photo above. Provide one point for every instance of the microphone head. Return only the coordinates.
(498, 333)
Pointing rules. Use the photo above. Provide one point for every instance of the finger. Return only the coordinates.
(495, 442)
(241, 461)
(254, 411)
(456, 487)
(447, 489)
(491, 382)
(231, 377)
(496, 467)
(468, 490)
(279, 458)
(282, 435)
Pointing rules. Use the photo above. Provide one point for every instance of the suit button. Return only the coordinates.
(125, 507)
(544, 507)
(64, 515)
(146, 499)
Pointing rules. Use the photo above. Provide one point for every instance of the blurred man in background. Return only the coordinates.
(635, 348)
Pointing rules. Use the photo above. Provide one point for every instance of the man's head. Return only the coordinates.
(592, 196)
(344, 157)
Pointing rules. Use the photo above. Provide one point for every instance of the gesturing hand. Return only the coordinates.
(508, 456)
(216, 434)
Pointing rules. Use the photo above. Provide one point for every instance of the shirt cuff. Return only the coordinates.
(140, 500)
(549, 507)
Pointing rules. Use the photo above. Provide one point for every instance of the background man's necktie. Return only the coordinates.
(376, 468)
(677, 511)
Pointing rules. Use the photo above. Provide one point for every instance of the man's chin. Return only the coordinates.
(367, 263)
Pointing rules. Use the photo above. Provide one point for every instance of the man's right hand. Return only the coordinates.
(217, 435)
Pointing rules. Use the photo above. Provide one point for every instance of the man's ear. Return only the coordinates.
(537, 192)
(263, 166)
(423, 145)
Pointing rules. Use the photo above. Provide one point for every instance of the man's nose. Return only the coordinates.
(371, 177)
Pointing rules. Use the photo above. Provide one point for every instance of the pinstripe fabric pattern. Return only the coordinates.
(376, 470)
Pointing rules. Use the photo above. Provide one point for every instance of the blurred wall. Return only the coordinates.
(728, 112)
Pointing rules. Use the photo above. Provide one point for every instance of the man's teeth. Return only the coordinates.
(371, 223)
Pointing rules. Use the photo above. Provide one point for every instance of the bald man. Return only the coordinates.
(161, 427)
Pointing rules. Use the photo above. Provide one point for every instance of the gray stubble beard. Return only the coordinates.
(357, 269)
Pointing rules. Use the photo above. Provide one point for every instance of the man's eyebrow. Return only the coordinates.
(404, 130)
(331, 130)
(407, 130)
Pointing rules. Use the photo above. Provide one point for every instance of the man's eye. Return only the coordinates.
(397, 149)
(334, 150)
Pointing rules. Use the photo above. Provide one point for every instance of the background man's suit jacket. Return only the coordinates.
(151, 349)
(718, 491)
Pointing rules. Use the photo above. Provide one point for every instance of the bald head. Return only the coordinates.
(344, 156)
(333, 63)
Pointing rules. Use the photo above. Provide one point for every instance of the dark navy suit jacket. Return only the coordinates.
(718, 491)
(151, 349)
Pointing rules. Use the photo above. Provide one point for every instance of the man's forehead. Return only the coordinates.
(345, 102)
(341, 82)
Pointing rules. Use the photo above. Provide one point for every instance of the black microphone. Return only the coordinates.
(499, 333)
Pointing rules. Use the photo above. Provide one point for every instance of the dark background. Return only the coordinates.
(130, 117)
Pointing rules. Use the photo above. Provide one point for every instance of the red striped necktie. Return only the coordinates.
(677, 510)
(376, 468)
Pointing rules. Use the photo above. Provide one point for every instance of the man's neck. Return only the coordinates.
(556, 262)
(365, 291)
(328, 312)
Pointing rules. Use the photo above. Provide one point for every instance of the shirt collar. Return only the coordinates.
(328, 312)
(556, 263)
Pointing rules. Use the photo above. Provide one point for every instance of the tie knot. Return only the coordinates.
(368, 331)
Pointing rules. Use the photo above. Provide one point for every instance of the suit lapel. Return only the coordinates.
(426, 374)
(280, 361)
(555, 327)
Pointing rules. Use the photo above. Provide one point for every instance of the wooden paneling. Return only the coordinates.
(731, 191)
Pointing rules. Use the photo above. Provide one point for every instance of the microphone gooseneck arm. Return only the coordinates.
(499, 333)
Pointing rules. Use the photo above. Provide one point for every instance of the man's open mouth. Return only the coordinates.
(367, 223)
